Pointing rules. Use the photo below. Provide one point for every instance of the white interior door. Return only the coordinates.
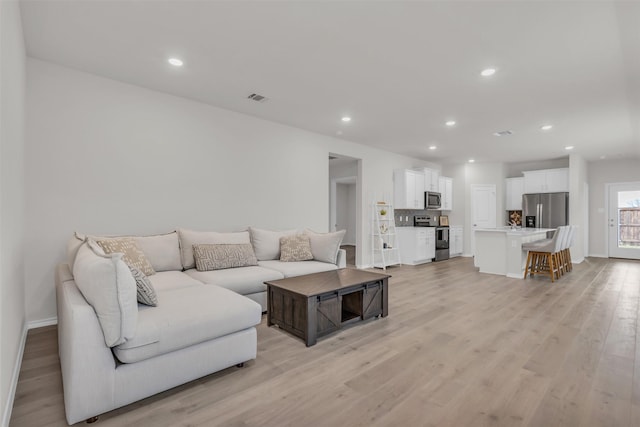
(483, 210)
(624, 220)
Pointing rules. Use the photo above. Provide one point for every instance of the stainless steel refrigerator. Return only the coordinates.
(545, 210)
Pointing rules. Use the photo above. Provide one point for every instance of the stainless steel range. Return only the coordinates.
(442, 234)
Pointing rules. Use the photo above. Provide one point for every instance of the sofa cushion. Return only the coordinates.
(266, 243)
(295, 248)
(109, 287)
(299, 268)
(170, 280)
(218, 257)
(325, 246)
(132, 254)
(161, 250)
(187, 317)
(146, 292)
(188, 238)
(245, 280)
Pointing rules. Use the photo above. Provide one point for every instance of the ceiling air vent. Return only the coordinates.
(257, 98)
(503, 133)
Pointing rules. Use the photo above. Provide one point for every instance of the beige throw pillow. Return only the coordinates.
(295, 248)
(146, 292)
(325, 246)
(132, 255)
(217, 257)
(266, 243)
(188, 238)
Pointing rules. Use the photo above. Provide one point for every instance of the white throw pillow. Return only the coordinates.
(325, 246)
(107, 284)
(266, 243)
(188, 238)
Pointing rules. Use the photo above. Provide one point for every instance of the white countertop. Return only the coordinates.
(517, 231)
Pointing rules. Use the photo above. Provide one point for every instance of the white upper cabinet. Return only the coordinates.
(445, 188)
(514, 188)
(431, 179)
(408, 189)
(546, 181)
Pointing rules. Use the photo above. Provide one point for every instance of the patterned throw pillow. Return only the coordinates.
(217, 257)
(132, 255)
(295, 248)
(146, 293)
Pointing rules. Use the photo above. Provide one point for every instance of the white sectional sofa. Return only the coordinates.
(204, 321)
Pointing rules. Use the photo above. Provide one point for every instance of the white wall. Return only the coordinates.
(12, 283)
(600, 173)
(578, 208)
(112, 158)
(514, 170)
(483, 173)
(458, 174)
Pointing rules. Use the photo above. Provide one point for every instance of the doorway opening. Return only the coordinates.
(345, 202)
(624, 220)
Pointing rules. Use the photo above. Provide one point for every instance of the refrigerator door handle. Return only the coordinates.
(539, 212)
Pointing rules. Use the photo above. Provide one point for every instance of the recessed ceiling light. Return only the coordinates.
(569, 147)
(432, 147)
(176, 62)
(546, 127)
(471, 160)
(451, 123)
(487, 72)
(346, 119)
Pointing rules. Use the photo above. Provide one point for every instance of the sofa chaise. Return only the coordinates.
(115, 351)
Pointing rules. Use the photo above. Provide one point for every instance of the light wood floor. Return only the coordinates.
(459, 348)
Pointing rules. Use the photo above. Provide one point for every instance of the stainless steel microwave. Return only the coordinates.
(431, 200)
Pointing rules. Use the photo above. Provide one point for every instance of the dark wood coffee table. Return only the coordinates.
(317, 304)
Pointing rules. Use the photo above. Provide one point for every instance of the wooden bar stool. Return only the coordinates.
(544, 256)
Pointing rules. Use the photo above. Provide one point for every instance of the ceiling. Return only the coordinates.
(399, 69)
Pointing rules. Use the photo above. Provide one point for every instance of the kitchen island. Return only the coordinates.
(499, 250)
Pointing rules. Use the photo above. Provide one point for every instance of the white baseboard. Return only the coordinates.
(14, 378)
(599, 255)
(42, 322)
(18, 364)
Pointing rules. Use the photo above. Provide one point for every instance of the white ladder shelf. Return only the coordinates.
(384, 241)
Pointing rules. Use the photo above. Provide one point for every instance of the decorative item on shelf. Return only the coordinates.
(444, 221)
(382, 203)
(515, 217)
(383, 212)
(383, 228)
